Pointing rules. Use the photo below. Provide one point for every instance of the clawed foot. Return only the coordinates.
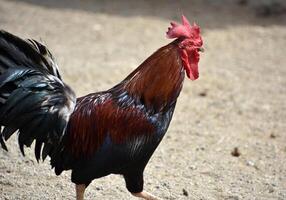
(145, 195)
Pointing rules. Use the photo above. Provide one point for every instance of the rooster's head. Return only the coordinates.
(190, 43)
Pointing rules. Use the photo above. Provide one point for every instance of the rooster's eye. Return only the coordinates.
(201, 49)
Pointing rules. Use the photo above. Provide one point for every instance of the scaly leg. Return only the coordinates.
(80, 191)
(145, 195)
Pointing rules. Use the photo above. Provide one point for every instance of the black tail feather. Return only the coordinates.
(34, 101)
(8, 131)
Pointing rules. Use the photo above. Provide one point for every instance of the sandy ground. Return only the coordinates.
(239, 100)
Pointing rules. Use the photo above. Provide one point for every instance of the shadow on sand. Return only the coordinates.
(225, 12)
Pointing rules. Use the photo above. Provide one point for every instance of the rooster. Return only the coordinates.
(110, 132)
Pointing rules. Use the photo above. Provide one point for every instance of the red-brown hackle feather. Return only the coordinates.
(158, 80)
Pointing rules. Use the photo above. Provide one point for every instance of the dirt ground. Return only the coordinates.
(238, 101)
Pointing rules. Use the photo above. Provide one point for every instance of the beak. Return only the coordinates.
(201, 49)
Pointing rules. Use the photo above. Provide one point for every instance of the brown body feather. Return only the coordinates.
(156, 84)
(93, 120)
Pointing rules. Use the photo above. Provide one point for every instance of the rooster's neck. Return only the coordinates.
(157, 82)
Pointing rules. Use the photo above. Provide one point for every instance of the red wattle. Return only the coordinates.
(190, 62)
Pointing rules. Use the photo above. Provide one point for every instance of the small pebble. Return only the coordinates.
(185, 192)
(192, 167)
(235, 152)
(250, 163)
(272, 135)
(203, 94)
(270, 189)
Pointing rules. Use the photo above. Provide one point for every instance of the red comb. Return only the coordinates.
(183, 30)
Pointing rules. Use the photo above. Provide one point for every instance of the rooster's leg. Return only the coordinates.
(145, 195)
(134, 183)
(80, 191)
